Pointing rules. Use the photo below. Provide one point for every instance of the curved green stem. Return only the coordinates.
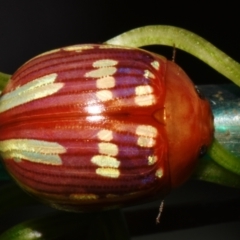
(184, 40)
(208, 170)
(224, 158)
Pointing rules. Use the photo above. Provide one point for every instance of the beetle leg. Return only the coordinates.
(160, 212)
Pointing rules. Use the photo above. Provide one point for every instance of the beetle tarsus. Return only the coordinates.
(160, 212)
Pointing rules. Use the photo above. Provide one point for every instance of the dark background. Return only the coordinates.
(28, 28)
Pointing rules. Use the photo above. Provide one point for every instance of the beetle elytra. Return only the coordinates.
(99, 126)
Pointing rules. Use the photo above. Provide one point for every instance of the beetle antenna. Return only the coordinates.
(174, 53)
(160, 212)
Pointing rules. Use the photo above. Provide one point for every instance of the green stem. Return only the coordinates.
(4, 80)
(224, 157)
(184, 40)
(208, 170)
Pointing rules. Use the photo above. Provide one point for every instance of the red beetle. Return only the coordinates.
(98, 126)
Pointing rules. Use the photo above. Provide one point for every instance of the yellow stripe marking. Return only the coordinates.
(108, 172)
(83, 196)
(104, 95)
(32, 150)
(31, 146)
(104, 63)
(106, 46)
(18, 156)
(37, 88)
(105, 135)
(108, 149)
(106, 82)
(77, 48)
(105, 161)
(101, 72)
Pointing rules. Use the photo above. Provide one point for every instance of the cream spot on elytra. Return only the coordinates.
(108, 148)
(148, 74)
(155, 64)
(143, 90)
(102, 63)
(83, 196)
(105, 161)
(108, 172)
(105, 135)
(105, 82)
(152, 159)
(101, 72)
(145, 100)
(146, 142)
(159, 173)
(146, 130)
(104, 95)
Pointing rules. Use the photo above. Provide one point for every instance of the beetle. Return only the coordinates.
(99, 126)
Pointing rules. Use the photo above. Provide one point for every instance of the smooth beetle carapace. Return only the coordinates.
(98, 126)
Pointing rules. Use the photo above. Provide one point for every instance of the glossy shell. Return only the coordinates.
(98, 126)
